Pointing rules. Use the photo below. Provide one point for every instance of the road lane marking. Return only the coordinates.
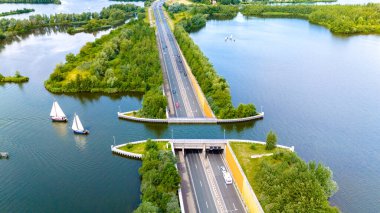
(201, 183)
(206, 204)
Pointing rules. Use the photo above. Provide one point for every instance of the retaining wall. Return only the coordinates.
(242, 183)
(123, 115)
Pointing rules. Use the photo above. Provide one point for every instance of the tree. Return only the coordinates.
(146, 207)
(271, 141)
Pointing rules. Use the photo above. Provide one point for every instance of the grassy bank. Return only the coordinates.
(140, 148)
(17, 78)
(284, 182)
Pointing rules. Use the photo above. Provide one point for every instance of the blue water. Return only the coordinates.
(319, 92)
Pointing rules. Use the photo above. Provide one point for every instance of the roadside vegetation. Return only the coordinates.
(140, 148)
(111, 16)
(31, 1)
(283, 182)
(340, 19)
(18, 11)
(159, 181)
(17, 78)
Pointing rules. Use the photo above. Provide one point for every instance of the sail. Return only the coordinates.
(56, 110)
(59, 111)
(77, 125)
(53, 112)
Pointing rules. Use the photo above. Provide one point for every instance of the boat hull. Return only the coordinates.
(59, 119)
(79, 132)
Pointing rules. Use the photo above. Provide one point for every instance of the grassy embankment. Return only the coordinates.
(283, 182)
(18, 11)
(17, 78)
(140, 148)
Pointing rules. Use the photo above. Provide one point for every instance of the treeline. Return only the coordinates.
(17, 78)
(214, 87)
(18, 11)
(340, 19)
(288, 184)
(113, 15)
(159, 181)
(220, 12)
(31, 1)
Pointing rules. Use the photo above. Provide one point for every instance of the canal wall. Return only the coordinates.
(123, 115)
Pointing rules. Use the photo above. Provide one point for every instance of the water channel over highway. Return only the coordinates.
(320, 93)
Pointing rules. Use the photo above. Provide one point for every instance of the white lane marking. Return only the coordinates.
(201, 183)
(206, 204)
(225, 185)
(196, 166)
(234, 206)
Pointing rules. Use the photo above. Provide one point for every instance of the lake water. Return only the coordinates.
(320, 93)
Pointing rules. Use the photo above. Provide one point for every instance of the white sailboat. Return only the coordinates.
(57, 114)
(78, 127)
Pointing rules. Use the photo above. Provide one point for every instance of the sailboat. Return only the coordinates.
(56, 113)
(78, 127)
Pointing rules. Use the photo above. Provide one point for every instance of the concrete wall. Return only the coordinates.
(244, 188)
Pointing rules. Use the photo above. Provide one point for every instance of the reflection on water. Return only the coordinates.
(85, 97)
(60, 128)
(80, 141)
(238, 127)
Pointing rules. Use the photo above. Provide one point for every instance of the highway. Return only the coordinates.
(230, 196)
(201, 189)
(182, 98)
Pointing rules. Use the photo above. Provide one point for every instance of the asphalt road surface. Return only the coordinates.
(182, 93)
(200, 186)
(228, 192)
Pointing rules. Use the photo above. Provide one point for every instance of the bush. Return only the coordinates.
(151, 145)
(271, 141)
(252, 146)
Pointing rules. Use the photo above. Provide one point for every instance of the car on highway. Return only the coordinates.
(174, 92)
(227, 177)
(177, 105)
(223, 169)
(185, 73)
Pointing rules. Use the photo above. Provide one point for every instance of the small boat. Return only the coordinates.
(56, 113)
(4, 155)
(78, 127)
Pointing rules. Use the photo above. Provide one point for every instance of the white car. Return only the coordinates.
(227, 177)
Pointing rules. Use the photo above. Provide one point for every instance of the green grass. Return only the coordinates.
(243, 153)
(140, 147)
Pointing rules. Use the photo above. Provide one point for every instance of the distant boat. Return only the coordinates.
(78, 127)
(57, 114)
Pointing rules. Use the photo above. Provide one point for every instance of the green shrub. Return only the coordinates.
(271, 141)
